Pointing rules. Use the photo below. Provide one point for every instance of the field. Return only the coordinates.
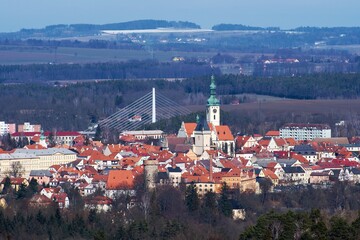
(27, 55)
(274, 107)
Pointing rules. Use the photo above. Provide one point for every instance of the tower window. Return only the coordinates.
(214, 117)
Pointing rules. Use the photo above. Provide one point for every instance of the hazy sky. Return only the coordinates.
(17, 14)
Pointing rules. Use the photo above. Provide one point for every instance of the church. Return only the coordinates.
(209, 134)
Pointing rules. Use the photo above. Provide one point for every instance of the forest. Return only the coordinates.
(297, 212)
(73, 106)
(134, 69)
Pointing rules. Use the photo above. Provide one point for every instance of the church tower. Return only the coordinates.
(202, 135)
(42, 141)
(213, 105)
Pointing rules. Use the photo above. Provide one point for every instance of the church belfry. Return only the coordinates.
(213, 105)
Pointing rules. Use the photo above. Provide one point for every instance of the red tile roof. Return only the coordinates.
(241, 140)
(98, 200)
(34, 146)
(100, 178)
(272, 133)
(46, 134)
(270, 174)
(224, 133)
(194, 178)
(264, 142)
(280, 142)
(299, 157)
(189, 128)
(291, 141)
(14, 181)
(115, 148)
(119, 179)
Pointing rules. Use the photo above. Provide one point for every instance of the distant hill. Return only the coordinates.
(131, 25)
(69, 30)
(239, 27)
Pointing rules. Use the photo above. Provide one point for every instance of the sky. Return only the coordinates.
(18, 14)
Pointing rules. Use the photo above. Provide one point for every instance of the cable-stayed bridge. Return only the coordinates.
(147, 109)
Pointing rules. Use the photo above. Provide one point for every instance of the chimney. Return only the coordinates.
(210, 169)
(173, 163)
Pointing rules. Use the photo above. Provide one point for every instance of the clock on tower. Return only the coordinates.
(213, 105)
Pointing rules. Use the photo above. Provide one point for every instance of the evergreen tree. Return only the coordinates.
(51, 139)
(265, 186)
(92, 217)
(191, 198)
(208, 210)
(355, 226)
(58, 216)
(33, 187)
(22, 192)
(340, 229)
(7, 186)
(224, 203)
(98, 134)
(318, 228)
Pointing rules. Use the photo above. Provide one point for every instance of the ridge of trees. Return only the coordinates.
(233, 27)
(312, 86)
(110, 70)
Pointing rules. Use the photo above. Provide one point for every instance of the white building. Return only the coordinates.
(305, 131)
(27, 127)
(6, 128)
(144, 134)
(35, 159)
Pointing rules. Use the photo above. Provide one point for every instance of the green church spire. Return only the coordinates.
(42, 136)
(212, 100)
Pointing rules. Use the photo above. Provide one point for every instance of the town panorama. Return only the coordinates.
(157, 129)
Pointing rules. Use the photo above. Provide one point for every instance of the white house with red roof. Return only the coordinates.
(99, 203)
(59, 137)
(245, 142)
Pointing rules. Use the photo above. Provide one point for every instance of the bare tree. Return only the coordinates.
(16, 170)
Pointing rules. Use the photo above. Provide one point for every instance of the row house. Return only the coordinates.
(295, 175)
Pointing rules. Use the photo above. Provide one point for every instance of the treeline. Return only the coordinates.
(311, 86)
(233, 27)
(303, 225)
(111, 70)
(275, 37)
(297, 212)
(166, 213)
(123, 43)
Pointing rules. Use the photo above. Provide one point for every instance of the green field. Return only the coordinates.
(28, 55)
(12, 55)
